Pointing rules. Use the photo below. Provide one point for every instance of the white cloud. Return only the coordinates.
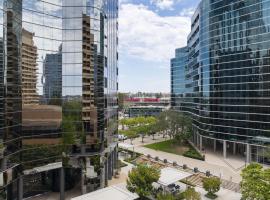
(163, 4)
(187, 12)
(50, 6)
(124, 1)
(146, 35)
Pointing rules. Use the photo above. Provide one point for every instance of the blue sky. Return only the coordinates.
(149, 32)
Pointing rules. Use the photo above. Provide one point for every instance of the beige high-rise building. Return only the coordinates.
(29, 69)
(89, 110)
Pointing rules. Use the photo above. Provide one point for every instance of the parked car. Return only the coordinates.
(122, 137)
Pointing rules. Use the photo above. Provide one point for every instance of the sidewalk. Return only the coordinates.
(223, 194)
(213, 162)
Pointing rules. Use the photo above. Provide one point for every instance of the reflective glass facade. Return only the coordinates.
(228, 71)
(59, 82)
(178, 78)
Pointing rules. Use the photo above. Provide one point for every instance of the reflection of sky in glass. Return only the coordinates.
(57, 21)
(44, 20)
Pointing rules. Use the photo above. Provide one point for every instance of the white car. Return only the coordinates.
(122, 137)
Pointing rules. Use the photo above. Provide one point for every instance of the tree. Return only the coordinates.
(153, 130)
(177, 125)
(123, 123)
(162, 123)
(130, 134)
(140, 179)
(142, 130)
(211, 185)
(141, 125)
(186, 128)
(255, 182)
(166, 196)
(68, 133)
(191, 194)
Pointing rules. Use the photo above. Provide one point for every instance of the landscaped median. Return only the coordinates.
(171, 146)
(133, 155)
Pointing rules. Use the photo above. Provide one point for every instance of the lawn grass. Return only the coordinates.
(170, 146)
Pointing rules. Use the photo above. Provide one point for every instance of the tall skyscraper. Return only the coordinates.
(52, 77)
(58, 95)
(178, 78)
(227, 78)
(29, 69)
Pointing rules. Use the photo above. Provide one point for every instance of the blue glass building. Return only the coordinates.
(178, 78)
(58, 95)
(228, 77)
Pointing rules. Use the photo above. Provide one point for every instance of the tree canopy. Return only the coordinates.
(176, 124)
(140, 179)
(189, 194)
(130, 134)
(255, 182)
(211, 185)
(141, 126)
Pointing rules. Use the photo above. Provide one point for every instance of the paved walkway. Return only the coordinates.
(55, 196)
(223, 194)
(236, 163)
(214, 163)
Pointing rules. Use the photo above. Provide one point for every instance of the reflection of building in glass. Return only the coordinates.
(52, 72)
(59, 108)
(43, 121)
(89, 109)
(226, 82)
(84, 93)
(29, 69)
(10, 140)
(178, 77)
(2, 90)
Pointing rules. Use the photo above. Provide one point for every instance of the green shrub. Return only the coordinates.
(211, 185)
(192, 153)
(131, 159)
(134, 155)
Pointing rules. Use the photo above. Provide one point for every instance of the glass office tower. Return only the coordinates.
(58, 108)
(229, 61)
(178, 78)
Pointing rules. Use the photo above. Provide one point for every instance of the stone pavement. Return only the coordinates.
(223, 194)
(213, 163)
(55, 196)
(236, 163)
